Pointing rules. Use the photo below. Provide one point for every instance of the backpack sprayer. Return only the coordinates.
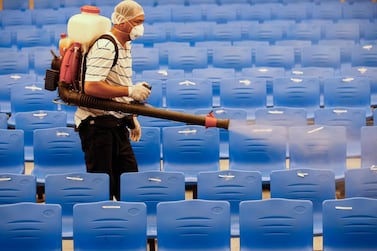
(65, 74)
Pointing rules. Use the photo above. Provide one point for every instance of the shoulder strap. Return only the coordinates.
(104, 36)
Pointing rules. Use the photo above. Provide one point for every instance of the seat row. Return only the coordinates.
(115, 224)
(234, 189)
(193, 149)
(334, 11)
(269, 32)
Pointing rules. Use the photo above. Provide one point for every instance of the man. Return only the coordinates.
(105, 135)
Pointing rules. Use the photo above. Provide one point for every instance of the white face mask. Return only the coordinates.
(137, 31)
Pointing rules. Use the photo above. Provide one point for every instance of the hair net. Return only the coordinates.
(125, 11)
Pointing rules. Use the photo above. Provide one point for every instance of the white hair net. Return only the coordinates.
(125, 11)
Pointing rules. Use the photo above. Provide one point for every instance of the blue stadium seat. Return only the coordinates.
(15, 5)
(281, 116)
(74, 3)
(305, 31)
(318, 147)
(368, 141)
(48, 16)
(145, 59)
(16, 17)
(297, 92)
(29, 121)
(190, 149)
(236, 57)
(248, 93)
(232, 186)
(345, 45)
(189, 32)
(297, 12)
(164, 48)
(188, 93)
(350, 224)
(257, 12)
(275, 56)
(231, 31)
(320, 56)
(361, 182)
(12, 151)
(188, 59)
(14, 62)
(221, 13)
(46, 4)
(327, 10)
(270, 32)
(260, 148)
(16, 188)
(346, 31)
(347, 92)
(191, 13)
(352, 118)
(365, 55)
(160, 14)
(193, 224)
(68, 189)
(7, 81)
(359, 9)
(110, 225)
(148, 149)
(369, 72)
(56, 151)
(29, 225)
(152, 187)
(30, 97)
(305, 184)
(280, 224)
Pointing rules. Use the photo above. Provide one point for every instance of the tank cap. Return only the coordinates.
(90, 9)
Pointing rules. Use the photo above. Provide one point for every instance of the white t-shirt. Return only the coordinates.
(98, 68)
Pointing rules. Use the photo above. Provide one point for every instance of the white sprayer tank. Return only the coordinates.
(87, 26)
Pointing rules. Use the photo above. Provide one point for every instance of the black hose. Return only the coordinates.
(79, 99)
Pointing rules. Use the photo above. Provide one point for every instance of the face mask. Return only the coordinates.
(137, 31)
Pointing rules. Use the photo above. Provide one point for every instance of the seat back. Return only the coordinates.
(33, 120)
(188, 94)
(152, 187)
(57, 150)
(275, 56)
(233, 186)
(361, 182)
(305, 184)
(67, 189)
(350, 224)
(12, 151)
(110, 225)
(194, 225)
(299, 92)
(281, 116)
(320, 56)
(258, 148)
(16, 188)
(368, 140)
(351, 118)
(281, 224)
(318, 147)
(31, 226)
(190, 149)
(348, 92)
(148, 149)
(247, 93)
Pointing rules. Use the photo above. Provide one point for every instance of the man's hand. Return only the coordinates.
(135, 134)
(139, 92)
